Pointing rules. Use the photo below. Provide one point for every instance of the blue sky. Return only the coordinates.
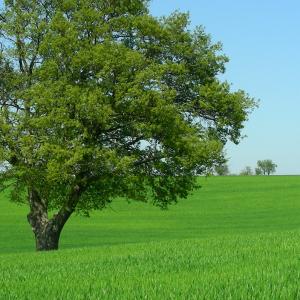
(262, 40)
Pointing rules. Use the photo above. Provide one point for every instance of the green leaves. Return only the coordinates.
(102, 95)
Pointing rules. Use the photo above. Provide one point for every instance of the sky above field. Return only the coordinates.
(262, 40)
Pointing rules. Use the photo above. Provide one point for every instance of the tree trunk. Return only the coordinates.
(47, 239)
(47, 231)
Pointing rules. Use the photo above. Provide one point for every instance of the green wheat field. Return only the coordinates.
(234, 238)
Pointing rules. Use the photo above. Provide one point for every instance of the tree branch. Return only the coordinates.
(68, 208)
(2, 18)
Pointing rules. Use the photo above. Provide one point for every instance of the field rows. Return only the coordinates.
(235, 267)
(236, 238)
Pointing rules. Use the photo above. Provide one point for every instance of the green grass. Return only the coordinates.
(235, 238)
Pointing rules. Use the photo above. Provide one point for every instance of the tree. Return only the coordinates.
(247, 171)
(101, 100)
(222, 169)
(266, 166)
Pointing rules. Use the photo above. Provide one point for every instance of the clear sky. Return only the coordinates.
(262, 40)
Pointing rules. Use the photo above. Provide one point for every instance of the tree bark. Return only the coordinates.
(47, 231)
(46, 239)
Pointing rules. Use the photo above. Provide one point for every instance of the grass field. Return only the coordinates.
(235, 238)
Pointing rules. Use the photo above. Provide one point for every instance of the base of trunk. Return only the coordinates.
(47, 241)
(47, 231)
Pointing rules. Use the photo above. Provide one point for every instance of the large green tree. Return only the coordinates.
(99, 100)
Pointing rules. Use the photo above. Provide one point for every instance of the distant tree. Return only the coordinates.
(266, 166)
(222, 170)
(99, 99)
(247, 171)
(258, 171)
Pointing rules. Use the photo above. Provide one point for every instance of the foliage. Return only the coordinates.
(222, 169)
(246, 171)
(266, 166)
(101, 100)
(258, 171)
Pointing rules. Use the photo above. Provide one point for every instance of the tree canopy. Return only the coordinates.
(266, 166)
(99, 100)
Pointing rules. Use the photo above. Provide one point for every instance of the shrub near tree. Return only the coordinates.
(247, 171)
(222, 169)
(258, 171)
(101, 100)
